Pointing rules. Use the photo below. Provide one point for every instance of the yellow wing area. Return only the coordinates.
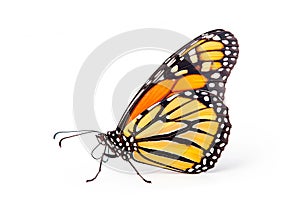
(160, 161)
(211, 51)
(176, 135)
(160, 128)
(180, 150)
(206, 55)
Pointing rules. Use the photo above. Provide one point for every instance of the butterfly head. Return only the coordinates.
(102, 138)
(109, 138)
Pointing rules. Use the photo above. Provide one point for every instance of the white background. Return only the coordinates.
(42, 48)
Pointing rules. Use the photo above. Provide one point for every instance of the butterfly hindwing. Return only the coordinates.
(185, 132)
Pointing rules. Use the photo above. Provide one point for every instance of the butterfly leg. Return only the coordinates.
(111, 155)
(93, 151)
(99, 170)
(137, 172)
(107, 157)
(106, 153)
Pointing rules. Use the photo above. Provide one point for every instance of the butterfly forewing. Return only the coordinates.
(204, 63)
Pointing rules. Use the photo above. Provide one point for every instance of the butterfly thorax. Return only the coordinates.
(121, 145)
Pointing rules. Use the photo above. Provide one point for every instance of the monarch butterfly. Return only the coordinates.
(177, 120)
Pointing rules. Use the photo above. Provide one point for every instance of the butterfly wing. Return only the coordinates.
(185, 132)
(204, 63)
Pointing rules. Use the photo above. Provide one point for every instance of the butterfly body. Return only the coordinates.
(120, 145)
(178, 120)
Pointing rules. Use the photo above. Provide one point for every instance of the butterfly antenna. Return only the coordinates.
(75, 135)
(80, 131)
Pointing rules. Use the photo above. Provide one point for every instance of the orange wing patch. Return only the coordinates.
(211, 55)
(167, 88)
(212, 45)
(154, 95)
(189, 82)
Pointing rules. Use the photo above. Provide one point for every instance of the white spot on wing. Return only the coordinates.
(206, 98)
(190, 170)
(206, 66)
(188, 93)
(174, 69)
(216, 75)
(192, 52)
(172, 97)
(227, 52)
(181, 72)
(216, 37)
(215, 92)
(194, 58)
(225, 41)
